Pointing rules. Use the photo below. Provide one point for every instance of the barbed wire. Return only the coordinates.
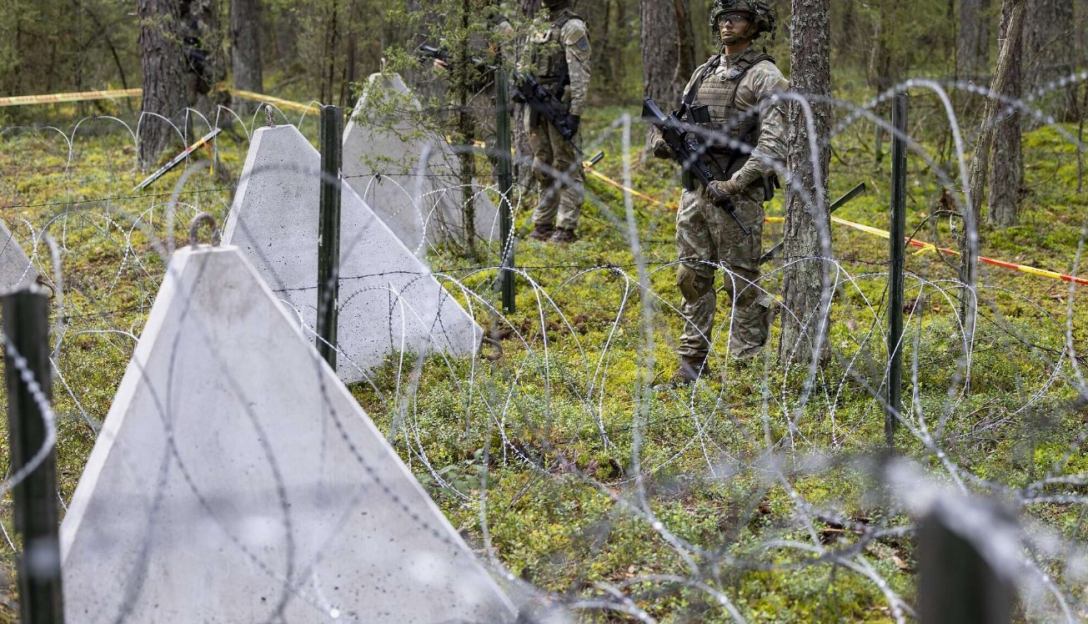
(557, 403)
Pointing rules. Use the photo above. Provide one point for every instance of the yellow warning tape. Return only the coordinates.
(85, 96)
(53, 98)
(597, 174)
(923, 246)
(280, 102)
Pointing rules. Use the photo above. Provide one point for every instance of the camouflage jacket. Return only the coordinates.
(563, 49)
(729, 97)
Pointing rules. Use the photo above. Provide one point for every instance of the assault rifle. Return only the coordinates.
(687, 151)
(526, 89)
(544, 103)
(477, 82)
(425, 52)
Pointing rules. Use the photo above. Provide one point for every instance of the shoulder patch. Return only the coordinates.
(582, 44)
(573, 31)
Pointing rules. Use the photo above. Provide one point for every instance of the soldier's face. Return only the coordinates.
(733, 26)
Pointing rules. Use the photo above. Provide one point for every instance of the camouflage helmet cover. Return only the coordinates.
(763, 16)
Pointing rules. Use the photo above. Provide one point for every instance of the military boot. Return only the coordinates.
(691, 369)
(542, 232)
(563, 235)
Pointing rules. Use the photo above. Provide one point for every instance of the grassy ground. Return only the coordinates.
(550, 453)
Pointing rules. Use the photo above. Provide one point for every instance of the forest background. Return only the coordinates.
(549, 532)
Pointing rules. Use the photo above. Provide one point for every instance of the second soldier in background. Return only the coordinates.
(559, 58)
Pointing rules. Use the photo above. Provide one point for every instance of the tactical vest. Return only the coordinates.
(549, 57)
(718, 93)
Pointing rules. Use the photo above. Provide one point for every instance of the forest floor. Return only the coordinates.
(552, 454)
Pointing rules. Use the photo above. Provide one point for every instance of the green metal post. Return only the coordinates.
(328, 245)
(897, 260)
(29, 382)
(958, 583)
(506, 184)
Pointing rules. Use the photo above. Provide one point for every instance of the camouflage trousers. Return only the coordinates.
(557, 168)
(707, 238)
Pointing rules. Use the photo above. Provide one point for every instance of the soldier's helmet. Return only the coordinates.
(762, 15)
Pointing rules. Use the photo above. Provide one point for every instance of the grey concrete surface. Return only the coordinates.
(389, 300)
(16, 269)
(235, 480)
(382, 163)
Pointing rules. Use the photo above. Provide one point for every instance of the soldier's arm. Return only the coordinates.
(771, 147)
(576, 46)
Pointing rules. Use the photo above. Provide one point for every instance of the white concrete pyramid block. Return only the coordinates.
(16, 269)
(235, 480)
(382, 165)
(389, 300)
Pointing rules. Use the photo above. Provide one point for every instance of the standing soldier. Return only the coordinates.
(728, 97)
(560, 61)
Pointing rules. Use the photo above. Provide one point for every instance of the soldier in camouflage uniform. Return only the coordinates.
(734, 86)
(559, 57)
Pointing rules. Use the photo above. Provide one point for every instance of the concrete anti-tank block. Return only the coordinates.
(381, 162)
(389, 300)
(235, 479)
(16, 269)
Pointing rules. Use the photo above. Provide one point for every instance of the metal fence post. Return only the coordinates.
(506, 184)
(328, 241)
(897, 261)
(29, 383)
(961, 580)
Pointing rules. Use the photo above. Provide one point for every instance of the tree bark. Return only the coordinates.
(663, 36)
(973, 39)
(466, 132)
(201, 19)
(1008, 159)
(1081, 37)
(163, 65)
(686, 43)
(523, 152)
(806, 297)
(245, 50)
(1050, 51)
(980, 160)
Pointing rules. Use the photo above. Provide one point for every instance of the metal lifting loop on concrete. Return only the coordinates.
(194, 227)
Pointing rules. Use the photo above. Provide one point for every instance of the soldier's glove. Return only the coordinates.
(719, 192)
(692, 285)
(574, 122)
(661, 149)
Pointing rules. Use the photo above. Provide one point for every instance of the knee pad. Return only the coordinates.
(692, 285)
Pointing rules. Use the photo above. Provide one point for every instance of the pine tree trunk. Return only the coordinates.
(1050, 51)
(466, 134)
(973, 39)
(660, 54)
(1081, 37)
(523, 153)
(806, 297)
(245, 49)
(202, 21)
(980, 162)
(1008, 159)
(163, 65)
(686, 42)
(601, 29)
